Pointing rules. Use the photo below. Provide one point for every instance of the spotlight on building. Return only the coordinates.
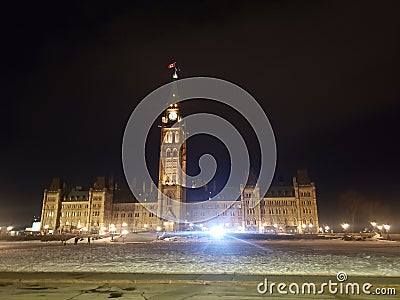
(373, 224)
(217, 232)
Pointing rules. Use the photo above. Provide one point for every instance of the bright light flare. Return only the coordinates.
(217, 232)
(345, 226)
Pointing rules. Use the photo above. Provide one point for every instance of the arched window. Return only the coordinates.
(176, 137)
(311, 221)
(174, 152)
(168, 152)
(168, 138)
(295, 221)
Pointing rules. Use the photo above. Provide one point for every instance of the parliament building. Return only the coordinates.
(105, 208)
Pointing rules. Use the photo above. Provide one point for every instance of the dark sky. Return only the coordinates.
(326, 74)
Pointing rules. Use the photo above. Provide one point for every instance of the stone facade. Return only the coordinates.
(286, 208)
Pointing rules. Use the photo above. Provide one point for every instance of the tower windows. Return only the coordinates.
(168, 137)
(176, 137)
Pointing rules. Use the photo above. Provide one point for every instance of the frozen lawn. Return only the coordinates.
(379, 258)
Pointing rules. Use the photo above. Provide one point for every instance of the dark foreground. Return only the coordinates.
(172, 286)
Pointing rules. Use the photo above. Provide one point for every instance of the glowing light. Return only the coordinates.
(124, 224)
(373, 224)
(217, 232)
(345, 226)
(124, 232)
(386, 226)
(165, 223)
(379, 227)
(45, 227)
(191, 225)
(145, 225)
(304, 226)
(158, 228)
(311, 225)
(9, 228)
(327, 228)
(276, 225)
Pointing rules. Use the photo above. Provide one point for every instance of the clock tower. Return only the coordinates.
(172, 179)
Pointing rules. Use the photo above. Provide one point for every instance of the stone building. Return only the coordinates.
(290, 208)
(286, 208)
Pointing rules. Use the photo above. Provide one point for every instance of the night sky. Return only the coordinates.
(326, 74)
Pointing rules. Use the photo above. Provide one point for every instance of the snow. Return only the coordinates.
(314, 257)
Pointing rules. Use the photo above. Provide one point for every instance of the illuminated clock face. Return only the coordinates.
(173, 116)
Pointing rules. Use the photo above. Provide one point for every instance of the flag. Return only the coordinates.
(170, 66)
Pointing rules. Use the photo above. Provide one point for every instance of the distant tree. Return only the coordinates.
(352, 205)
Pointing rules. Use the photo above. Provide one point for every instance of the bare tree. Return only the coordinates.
(352, 204)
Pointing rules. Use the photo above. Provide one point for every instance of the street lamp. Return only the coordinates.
(345, 226)
(387, 227)
(327, 228)
(123, 225)
(124, 232)
(112, 229)
(373, 224)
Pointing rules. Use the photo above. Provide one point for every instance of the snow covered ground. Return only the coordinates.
(317, 257)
